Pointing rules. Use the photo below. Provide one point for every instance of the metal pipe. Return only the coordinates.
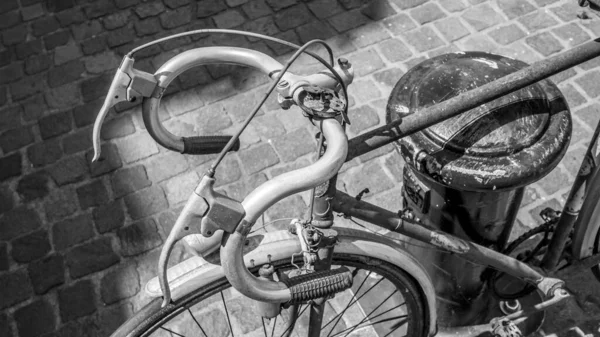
(471, 99)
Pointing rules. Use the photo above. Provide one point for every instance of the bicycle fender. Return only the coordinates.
(197, 271)
(588, 221)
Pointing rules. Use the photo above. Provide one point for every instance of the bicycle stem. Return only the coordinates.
(266, 195)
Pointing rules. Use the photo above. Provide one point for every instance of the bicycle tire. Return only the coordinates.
(153, 318)
(596, 268)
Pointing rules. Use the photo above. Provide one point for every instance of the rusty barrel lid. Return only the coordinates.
(509, 142)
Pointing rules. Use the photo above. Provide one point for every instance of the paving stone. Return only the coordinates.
(405, 4)
(120, 283)
(92, 194)
(31, 12)
(258, 158)
(70, 16)
(56, 39)
(567, 12)
(47, 273)
(35, 319)
(108, 217)
(8, 5)
(429, 12)
(15, 139)
(325, 8)
(66, 53)
(370, 176)
(292, 17)
(315, 30)
(363, 118)
(14, 35)
(423, 39)
(18, 221)
(31, 246)
(136, 147)
(589, 83)
(388, 77)
(368, 34)
(60, 204)
(589, 114)
(139, 237)
(252, 9)
(453, 5)
(537, 20)
(87, 30)
(452, 29)
(34, 108)
(571, 33)
(515, 8)
(120, 37)
(572, 160)
(10, 118)
(544, 43)
(240, 189)
(42, 154)
(44, 25)
(33, 186)
(76, 300)
(150, 9)
(165, 166)
(98, 9)
(86, 114)
(55, 125)
(29, 48)
(6, 200)
(14, 288)
(147, 26)
(574, 98)
(292, 206)
(146, 202)
(11, 73)
(37, 63)
(77, 141)
(60, 5)
(26, 87)
(5, 328)
(507, 34)
(175, 18)
(294, 144)
(129, 180)
(116, 20)
(210, 7)
(72, 231)
(64, 97)
(65, 73)
(3, 95)
(69, 170)
(347, 20)
(378, 9)
(482, 17)
(91, 257)
(113, 317)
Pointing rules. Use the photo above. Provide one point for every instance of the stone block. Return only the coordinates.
(86, 114)
(378, 9)
(108, 162)
(66, 53)
(42, 154)
(11, 73)
(27, 87)
(368, 61)
(240, 189)
(37, 63)
(165, 166)
(87, 30)
(567, 12)
(10, 117)
(292, 206)
(77, 141)
(117, 127)
(544, 43)
(227, 19)
(31, 246)
(589, 82)
(175, 18)
(63, 97)
(116, 20)
(70, 16)
(150, 9)
(69, 170)
(119, 37)
(176, 3)
(507, 34)
(35, 319)
(120, 283)
(256, 9)
(5, 57)
(423, 39)
(92, 194)
(108, 217)
(572, 34)
(33, 186)
(147, 26)
(15, 139)
(14, 288)
(56, 39)
(210, 7)
(72, 231)
(14, 35)
(515, 8)
(136, 147)
(5, 328)
(95, 87)
(10, 166)
(6, 200)
(76, 300)
(65, 73)
(33, 47)
(113, 317)
(60, 204)
(146, 202)
(94, 45)
(126, 3)
(394, 50)
(452, 29)
(258, 158)
(315, 30)
(91, 257)
(60, 5)
(99, 8)
(8, 5)
(129, 180)
(371, 176)
(138, 238)
(325, 8)
(179, 188)
(44, 25)
(264, 25)
(47, 273)
(18, 221)
(573, 97)
(345, 21)
(537, 20)
(56, 124)
(429, 12)
(405, 4)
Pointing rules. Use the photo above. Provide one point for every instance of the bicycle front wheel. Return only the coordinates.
(383, 301)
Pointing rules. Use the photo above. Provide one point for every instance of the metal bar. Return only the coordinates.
(343, 203)
(573, 205)
(471, 99)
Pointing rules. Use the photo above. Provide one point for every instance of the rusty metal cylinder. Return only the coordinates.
(467, 175)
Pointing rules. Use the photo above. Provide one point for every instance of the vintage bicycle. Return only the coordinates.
(314, 278)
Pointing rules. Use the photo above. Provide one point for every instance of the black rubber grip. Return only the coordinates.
(207, 144)
(318, 284)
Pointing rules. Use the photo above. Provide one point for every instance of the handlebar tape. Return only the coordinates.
(207, 144)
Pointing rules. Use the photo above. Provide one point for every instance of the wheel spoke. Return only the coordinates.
(172, 332)
(291, 325)
(197, 323)
(274, 325)
(372, 311)
(264, 327)
(339, 316)
(375, 323)
(227, 313)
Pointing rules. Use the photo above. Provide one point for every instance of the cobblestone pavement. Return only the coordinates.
(78, 240)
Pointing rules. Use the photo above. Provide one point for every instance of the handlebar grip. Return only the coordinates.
(207, 144)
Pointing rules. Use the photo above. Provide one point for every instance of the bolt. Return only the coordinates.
(343, 62)
(283, 84)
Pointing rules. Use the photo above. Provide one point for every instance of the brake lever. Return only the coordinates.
(128, 85)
